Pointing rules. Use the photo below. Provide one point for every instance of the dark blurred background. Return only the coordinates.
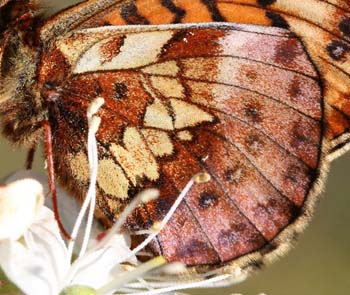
(320, 262)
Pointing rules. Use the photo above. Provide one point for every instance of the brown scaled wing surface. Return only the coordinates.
(323, 27)
(184, 99)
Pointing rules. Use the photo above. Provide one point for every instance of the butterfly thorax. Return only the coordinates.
(21, 108)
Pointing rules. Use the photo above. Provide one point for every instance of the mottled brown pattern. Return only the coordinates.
(249, 200)
(251, 191)
(325, 19)
(245, 208)
(262, 96)
(178, 48)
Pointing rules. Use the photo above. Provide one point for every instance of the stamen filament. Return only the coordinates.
(90, 200)
(176, 287)
(129, 276)
(152, 194)
(165, 220)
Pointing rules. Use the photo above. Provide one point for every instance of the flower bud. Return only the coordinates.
(78, 290)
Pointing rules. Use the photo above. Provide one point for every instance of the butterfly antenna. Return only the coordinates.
(30, 158)
(51, 174)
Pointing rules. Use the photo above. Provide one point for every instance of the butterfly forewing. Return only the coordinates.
(184, 99)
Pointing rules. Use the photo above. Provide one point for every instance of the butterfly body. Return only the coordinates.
(243, 103)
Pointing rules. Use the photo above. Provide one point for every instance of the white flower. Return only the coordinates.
(42, 264)
(19, 203)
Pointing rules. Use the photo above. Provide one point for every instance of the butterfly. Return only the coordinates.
(253, 93)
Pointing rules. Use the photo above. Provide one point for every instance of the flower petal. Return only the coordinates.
(44, 239)
(95, 268)
(26, 269)
(68, 206)
(20, 201)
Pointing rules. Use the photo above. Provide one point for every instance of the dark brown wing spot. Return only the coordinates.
(294, 89)
(287, 51)
(292, 174)
(248, 72)
(300, 135)
(235, 235)
(338, 50)
(194, 249)
(277, 20)
(344, 26)
(269, 248)
(120, 91)
(257, 264)
(207, 199)
(162, 207)
(253, 113)
(231, 236)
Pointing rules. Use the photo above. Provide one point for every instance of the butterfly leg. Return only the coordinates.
(51, 174)
(30, 158)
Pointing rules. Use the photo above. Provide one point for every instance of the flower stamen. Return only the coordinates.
(90, 200)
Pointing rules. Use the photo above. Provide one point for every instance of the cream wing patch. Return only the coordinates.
(168, 87)
(80, 166)
(138, 50)
(168, 68)
(112, 180)
(187, 115)
(157, 116)
(158, 141)
(185, 135)
(135, 157)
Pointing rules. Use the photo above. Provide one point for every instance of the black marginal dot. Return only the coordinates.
(268, 248)
(338, 50)
(207, 200)
(277, 20)
(265, 3)
(344, 26)
(120, 91)
(257, 264)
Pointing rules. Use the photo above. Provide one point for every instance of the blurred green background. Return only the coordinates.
(320, 262)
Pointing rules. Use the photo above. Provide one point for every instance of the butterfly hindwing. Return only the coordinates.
(183, 99)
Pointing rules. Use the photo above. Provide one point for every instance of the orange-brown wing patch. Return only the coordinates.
(178, 104)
